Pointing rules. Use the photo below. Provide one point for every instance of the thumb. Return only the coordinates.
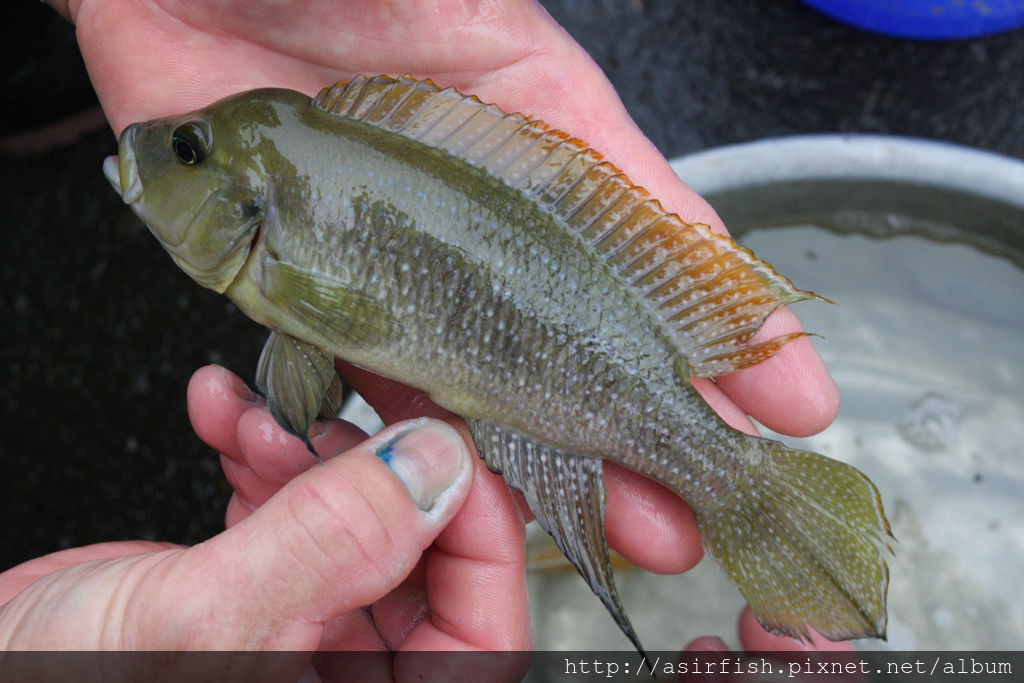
(336, 538)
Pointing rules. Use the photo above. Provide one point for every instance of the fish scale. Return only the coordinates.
(524, 282)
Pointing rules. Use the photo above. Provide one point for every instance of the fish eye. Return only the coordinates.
(191, 142)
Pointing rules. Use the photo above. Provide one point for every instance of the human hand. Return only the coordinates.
(470, 589)
(157, 57)
(797, 660)
(362, 553)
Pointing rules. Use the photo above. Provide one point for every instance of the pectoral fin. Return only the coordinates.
(300, 384)
(566, 494)
(329, 305)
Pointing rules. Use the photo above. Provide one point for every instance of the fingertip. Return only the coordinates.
(433, 463)
(273, 454)
(792, 392)
(706, 644)
(755, 637)
(331, 437)
(216, 398)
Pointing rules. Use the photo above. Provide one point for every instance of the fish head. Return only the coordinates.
(199, 182)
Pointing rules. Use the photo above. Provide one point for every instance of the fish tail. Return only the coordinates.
(805, 543)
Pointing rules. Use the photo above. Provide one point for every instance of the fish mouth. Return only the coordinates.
(122, 170)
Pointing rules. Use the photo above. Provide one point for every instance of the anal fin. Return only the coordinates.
(300, 383)
(566, 493)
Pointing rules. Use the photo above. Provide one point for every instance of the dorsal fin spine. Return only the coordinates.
(536, 151)
(529, 130)
(411, 90)
(552, 172)
(399, 102)
(420, 90)
(328, 97)
(493, 162)
(674, 264)
(597, 180)
(413, 119)
(563, 183)
(439, 118)
(366, 99)
(624, 206)
(523, 165)
(359, 98)
(456, 132)
(591, 215)
(599, 224)
(583, 204)
(626, 234)
(546, 169)
(484, 148)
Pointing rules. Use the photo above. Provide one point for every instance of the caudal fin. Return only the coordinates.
(806, 546)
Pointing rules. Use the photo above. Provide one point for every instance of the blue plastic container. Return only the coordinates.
(927, 19)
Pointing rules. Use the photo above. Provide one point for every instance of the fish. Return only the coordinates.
(523, 281)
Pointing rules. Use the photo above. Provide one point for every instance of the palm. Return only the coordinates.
(207, 52)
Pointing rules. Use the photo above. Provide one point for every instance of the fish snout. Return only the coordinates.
(122, 170)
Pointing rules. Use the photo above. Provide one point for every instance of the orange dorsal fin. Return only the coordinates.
(711, 293)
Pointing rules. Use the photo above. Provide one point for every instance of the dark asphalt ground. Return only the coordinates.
(101, 331)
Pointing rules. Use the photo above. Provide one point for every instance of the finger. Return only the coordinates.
(392, 400)
(706, 644)
(217, 398)
(269, 457)
(476, 579)
(791, 392)
(63, 8)
(649, 525)
(754, 637)
(334, 539)
(733, 415)
(399, 612)
(237, 510)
